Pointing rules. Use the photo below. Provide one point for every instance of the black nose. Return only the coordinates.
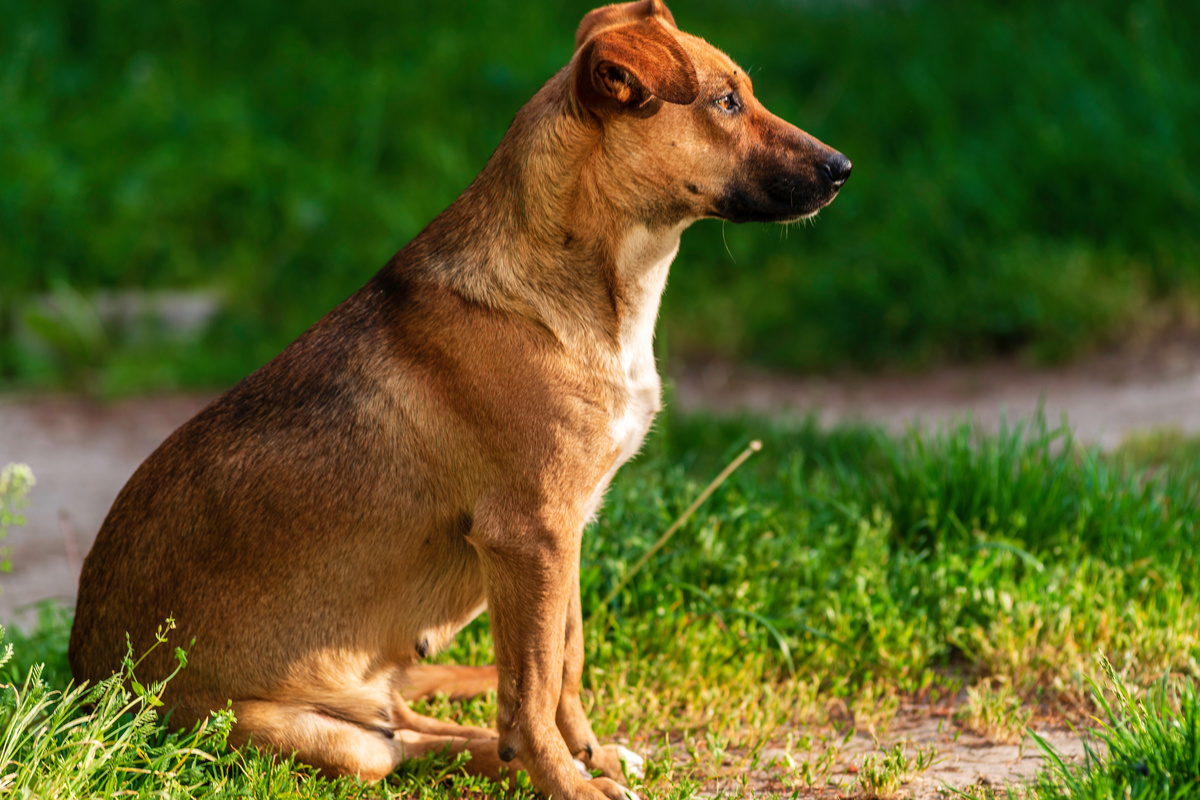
(837, 168)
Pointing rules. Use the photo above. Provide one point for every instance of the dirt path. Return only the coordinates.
(1104, 399)
(960, 759)
(81, 455)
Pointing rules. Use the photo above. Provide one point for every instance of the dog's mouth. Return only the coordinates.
(782, 196)
(780, 203)
(778, 193)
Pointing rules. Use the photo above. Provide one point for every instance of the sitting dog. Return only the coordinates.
(435, 445)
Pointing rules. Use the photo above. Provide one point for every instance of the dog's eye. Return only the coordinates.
(729, 102)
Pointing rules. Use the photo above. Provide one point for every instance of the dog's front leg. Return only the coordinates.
(572, 721)
(531, 563)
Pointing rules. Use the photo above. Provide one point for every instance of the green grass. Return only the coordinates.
(839, 567)
(1026, 180)
(1149, 746)
(1143, 744)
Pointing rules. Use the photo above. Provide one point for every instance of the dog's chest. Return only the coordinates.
(639, 373)
(632, 419)
(638, 389)
(643, 392)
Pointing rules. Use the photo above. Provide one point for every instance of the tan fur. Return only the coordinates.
(437, 442)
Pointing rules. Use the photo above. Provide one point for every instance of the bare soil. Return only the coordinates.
(1143, 385)
(961, 759)
(81, 454)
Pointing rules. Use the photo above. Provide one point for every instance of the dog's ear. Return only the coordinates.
(621, 12)
(633, 63)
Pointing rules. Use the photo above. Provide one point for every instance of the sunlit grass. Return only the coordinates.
(833, 579)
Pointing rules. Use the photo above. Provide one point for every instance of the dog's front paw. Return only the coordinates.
(613, 790)
(615, 762)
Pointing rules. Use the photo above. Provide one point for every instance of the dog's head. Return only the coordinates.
(680, 117)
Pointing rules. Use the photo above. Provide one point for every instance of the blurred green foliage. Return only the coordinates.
(1027, 174)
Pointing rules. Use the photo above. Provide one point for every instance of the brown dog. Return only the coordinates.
(436, 444)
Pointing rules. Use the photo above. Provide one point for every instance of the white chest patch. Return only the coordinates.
(644, 263)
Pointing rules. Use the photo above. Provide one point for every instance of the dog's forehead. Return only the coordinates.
(712, 65)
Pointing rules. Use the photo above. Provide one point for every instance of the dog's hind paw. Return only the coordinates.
(633, 764)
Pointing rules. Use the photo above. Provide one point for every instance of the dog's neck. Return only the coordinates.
(542, 231)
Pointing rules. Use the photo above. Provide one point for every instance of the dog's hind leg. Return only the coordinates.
(484, 760)
(340, 747)
(404, 718)
(422, 681)
(333, 745)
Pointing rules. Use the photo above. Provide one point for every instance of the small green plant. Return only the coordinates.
(15, 482)
(817, 768)
(995, 713)
(103, 740)
(883, 775)
(988, 792)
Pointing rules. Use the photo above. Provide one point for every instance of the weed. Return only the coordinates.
(1161, 449)
(873, 708)
(813, 767)
(988, 792)
(995, 712)
(102, 740)
(15, 482)
(883, 775)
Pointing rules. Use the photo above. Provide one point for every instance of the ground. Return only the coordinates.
(961, 759)
(82, 453)
(1143, 385)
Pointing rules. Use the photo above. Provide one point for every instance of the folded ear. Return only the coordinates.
(633, 63)
(618, 13)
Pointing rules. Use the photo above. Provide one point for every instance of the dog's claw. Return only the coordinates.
(634, 764)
